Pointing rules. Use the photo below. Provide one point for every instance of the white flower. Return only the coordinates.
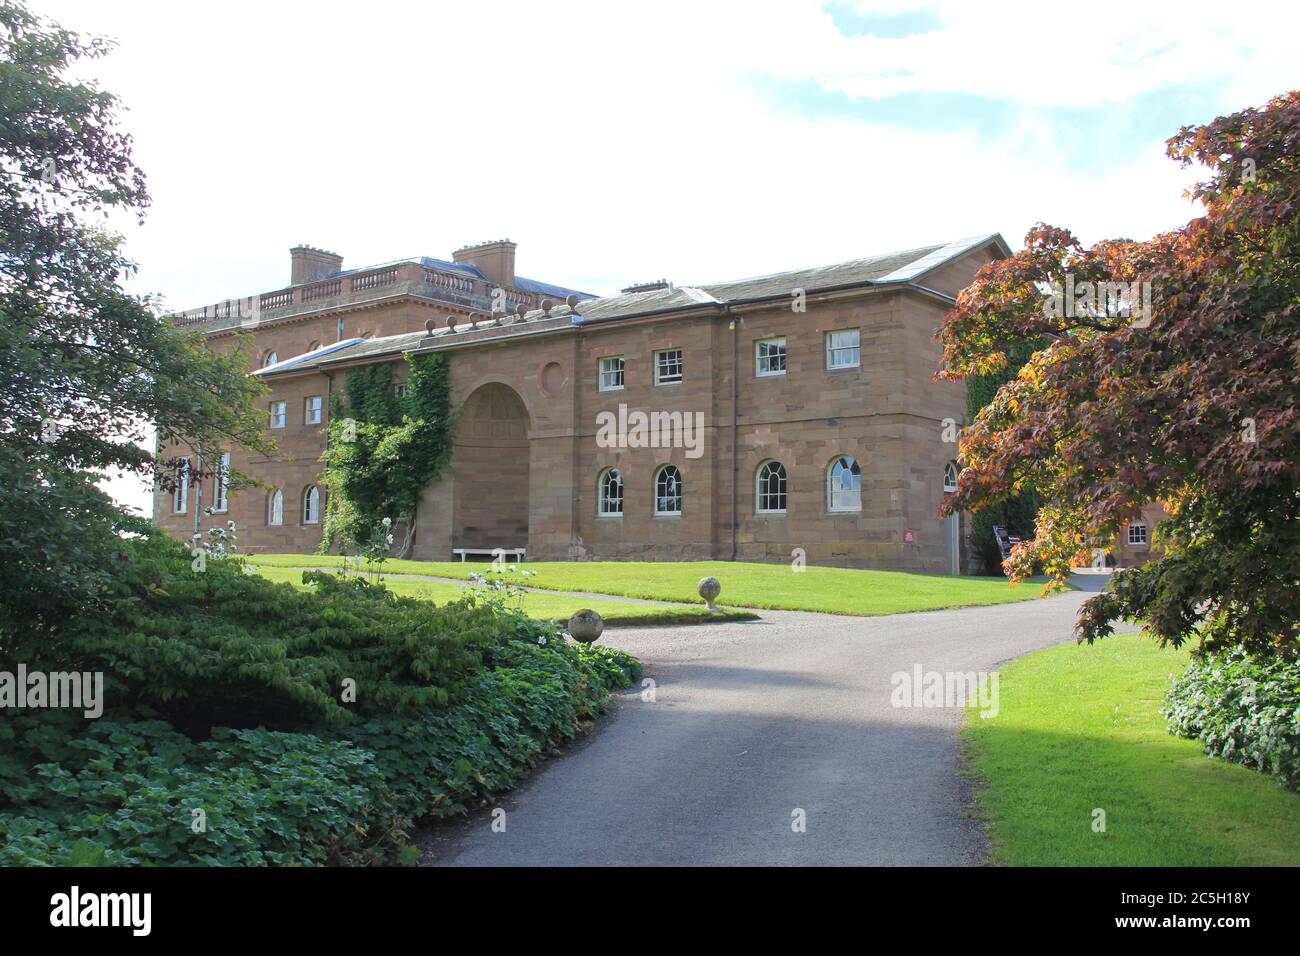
(389, 539)
(388, 522)
(542, 640)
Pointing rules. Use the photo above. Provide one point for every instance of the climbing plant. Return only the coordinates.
(1018, 511)
(384, 448)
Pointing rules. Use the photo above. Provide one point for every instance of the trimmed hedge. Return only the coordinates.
(1243, 709)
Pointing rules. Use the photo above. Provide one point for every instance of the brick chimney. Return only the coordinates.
(307, 264)
(495, 259)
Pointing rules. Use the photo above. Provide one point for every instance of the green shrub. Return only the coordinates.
(125, 793)
(122, 790)
(1243, 709)
(225, 648)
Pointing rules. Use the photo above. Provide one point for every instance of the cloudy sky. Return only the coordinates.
(619, 142)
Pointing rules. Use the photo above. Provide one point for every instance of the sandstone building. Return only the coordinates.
(760, 419)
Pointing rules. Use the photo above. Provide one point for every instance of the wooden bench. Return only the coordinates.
(491, 553)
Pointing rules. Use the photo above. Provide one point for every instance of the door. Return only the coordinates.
(954, 544)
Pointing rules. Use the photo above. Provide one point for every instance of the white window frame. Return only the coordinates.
(221, 485)
(1145, 536)
(279, 413)
(759, 357)
(270, 358)
(307, 409)
(402, 389)
(605, 502)
(181, 495)
(950, 476)
(833, 495)
(835, 352)
(275, 508)
(607, 370)
(782, 493)
(680, 496)
(660, 378)
(311, 505)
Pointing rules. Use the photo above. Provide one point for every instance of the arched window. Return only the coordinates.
(1137, 532)
(668, 491)
(844, 485)
(950, 476)
(770, 490)
(313, 346)
(275, 507)
(311, 505)
(611, 492)
(270, 358)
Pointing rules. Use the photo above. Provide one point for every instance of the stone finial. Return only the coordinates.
(709, 589)
(451, 323)
(547, 305)
(431, 326)
(586, 626)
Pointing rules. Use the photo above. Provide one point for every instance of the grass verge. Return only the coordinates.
(1077, 731)
(545, 607)
(830, 590)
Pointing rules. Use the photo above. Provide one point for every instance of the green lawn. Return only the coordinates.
(546, 606)
(1077, 729)
(833, 590)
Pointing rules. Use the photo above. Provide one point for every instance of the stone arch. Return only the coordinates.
(490, 469)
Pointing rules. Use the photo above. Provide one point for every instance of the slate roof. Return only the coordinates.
(894, 268)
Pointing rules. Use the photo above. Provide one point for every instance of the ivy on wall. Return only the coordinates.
(1018, 512)
(384, 448)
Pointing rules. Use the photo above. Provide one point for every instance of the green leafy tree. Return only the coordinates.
(84, 367)
(1191, 399)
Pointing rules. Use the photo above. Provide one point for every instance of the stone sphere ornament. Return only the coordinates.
(709, 589)
(586, 626)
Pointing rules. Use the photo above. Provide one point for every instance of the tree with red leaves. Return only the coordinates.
(1172, 374)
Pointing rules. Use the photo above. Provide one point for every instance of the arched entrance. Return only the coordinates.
(489, 462)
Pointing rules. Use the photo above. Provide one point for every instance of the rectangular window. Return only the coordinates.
(181, 496)
(611, 374)
(1137, 533)
(277, 414)
(842, 349)
(313, 410)
(402, 389)
(769, 357)
(221, 485)
(668, 367)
